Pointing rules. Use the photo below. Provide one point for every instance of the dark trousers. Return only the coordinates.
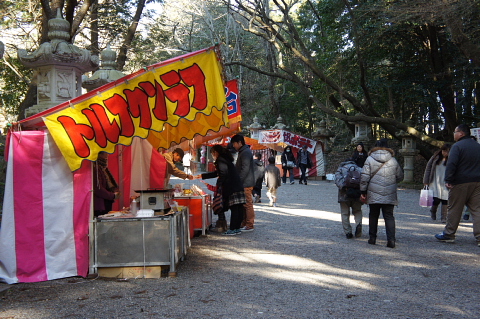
(303, 169)
(236, 217)
(257, 189)
(387, 212)
(437, 201)
(290, 171)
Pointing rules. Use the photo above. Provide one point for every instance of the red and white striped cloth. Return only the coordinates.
(44, 230)
(46, 210)
(136, 167)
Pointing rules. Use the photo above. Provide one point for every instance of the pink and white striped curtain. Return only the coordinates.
(44, 230)
(46, 209)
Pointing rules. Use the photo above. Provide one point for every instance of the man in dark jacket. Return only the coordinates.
(462, 178)
(304, 162)
(245, 168)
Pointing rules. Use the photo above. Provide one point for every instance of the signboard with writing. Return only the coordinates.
(233, 101)
(284, 138)
(475, 132)
(169, 102)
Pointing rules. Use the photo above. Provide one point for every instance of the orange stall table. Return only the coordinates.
(200, 208)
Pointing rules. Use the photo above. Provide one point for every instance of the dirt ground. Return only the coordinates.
(296, 264)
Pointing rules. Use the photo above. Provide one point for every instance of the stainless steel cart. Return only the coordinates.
(149, 241)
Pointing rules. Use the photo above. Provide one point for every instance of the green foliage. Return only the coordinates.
(410, 64)
(12, 88)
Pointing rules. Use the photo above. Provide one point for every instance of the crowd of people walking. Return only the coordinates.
(366, 178)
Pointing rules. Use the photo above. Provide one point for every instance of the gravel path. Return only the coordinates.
(296, 264)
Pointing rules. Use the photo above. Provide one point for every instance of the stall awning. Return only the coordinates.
(168, 102)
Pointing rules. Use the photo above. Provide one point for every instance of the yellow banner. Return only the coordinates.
(168, 104)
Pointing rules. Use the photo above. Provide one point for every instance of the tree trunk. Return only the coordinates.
(122, 56)
(442, 74)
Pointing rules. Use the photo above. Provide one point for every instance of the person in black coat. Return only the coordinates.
(303, 162)
(231, 187)
(288, 163)
(360, 155)
(259, 176)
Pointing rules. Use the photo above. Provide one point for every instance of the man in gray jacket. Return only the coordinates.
(462, 178)
(245, 169)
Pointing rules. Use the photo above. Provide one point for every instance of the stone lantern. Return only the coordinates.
(106, 73)
(408, 152)
(254, 128)
(59, 65)
(363, 132)
(323, 135)
(279, 125)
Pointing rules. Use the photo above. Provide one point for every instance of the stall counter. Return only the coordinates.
(142, 242)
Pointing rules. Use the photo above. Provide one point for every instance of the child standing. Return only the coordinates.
(272, 181)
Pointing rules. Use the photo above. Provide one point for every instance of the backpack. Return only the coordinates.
(352, 183)
(352, 179)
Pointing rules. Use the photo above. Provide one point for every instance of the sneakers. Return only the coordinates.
(238, 231)
(246, 229)
(349, 236)
(291, 183)
(230, 233)
(444, 238)
(305, 182)
(271, 204)
(391, 244)
(300, 182)
(274, 204)
(372, 240)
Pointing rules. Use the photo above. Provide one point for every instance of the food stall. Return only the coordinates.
(50, 177)
(279, 139)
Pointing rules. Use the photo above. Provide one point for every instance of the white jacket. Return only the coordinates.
(382, 187)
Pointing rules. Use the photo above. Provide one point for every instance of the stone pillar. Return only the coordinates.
(408, 152)
(59, 65)
(323, 135)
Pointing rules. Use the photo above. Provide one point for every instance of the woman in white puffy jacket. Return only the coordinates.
(378, 186)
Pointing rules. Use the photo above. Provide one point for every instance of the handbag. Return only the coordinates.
(217, 203)
(290, 164)
(426, 197)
